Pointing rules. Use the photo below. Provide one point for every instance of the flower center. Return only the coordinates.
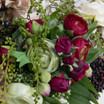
(78, 23)
(82, 52)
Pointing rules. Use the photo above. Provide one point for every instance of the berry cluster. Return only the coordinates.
(97, 78)
(3, 20)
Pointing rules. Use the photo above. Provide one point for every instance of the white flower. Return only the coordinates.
(48, 59)
(18, 93)
(79, 2)
(92, 9)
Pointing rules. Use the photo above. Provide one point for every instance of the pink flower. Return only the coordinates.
(29, 24)
(78, 72)
(44, 89)
(63, 44)
(60, 83)
(76, 23)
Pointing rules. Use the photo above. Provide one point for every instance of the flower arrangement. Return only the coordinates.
(46, 60)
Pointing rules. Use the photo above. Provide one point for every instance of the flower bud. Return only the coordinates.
(45, 77)
(44, 89)
(29, 42)
(60, 83)
(36, 28)
(29, 24)
(89, 72)
(78, 72)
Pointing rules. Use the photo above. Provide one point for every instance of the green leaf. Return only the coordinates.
(77, 99)
(36, 28)
(80, 90)
(93, 53)
(91, 28)
(56, 32)
(51, 100)
(6, 46)
(65, 74)
(21, 57)
(75, 65)
(18, 38)
(86, 83)
(86, 36)
(16, 53)
(53, 15)
(53, 23)
(92, 25)
(70, 33)
(16, 34)
(56, 73)
(24, 61)
(60, 27)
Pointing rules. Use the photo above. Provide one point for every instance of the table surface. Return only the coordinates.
(101, 99)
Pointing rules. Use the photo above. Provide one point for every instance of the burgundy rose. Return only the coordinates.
(82, 50)
(60, 84)
(76, 23)
(69, 60)
(29, 24)
(2, 51)
(63, 44)
(78, 72)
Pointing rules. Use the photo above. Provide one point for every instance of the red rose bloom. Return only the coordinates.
(69, 60)
(76, 23)
(78, 72)
(83, 47)
(60, 84)
(29, 24)
(63, 44)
